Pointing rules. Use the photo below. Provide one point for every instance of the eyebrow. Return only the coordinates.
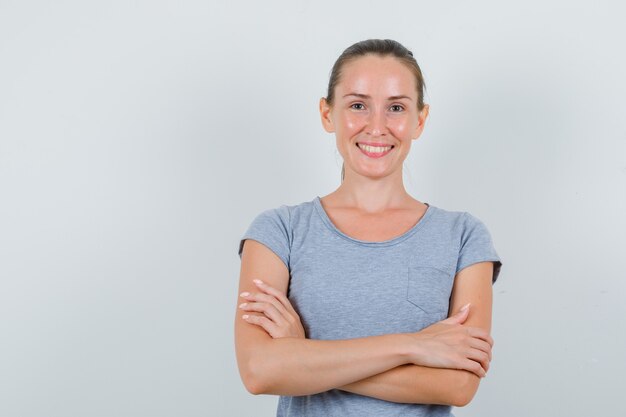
(366, 96)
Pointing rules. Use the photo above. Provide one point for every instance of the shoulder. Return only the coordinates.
(274, 227)
(453, 221)
(460, 221)
(284, 215)
(464, 225)
(279, 216)
(469, 234)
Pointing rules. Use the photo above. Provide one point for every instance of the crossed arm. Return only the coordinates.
(278, 360)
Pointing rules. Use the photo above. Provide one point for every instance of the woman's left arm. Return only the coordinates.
(414, 383)
(418, 384)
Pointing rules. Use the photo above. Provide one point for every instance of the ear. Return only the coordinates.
(421, 121)
(327, 121)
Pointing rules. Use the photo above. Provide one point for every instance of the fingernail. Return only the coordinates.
(244, 294)
(465, 307)
(257, 281)
(245, 316)
(242, 305)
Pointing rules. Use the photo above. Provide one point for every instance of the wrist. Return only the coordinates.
(410, 347)
(413, 348)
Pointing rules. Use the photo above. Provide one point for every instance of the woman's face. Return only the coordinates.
(374, 115)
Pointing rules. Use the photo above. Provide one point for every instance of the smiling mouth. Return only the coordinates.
(374, 151)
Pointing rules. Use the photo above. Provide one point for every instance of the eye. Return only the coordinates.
(357, 104)
(398, 107)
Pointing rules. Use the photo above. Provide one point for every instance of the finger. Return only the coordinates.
(269, 310)
(458, 317)
(281, 316)
(480, 334)
(473, 366)
(480, 357)
(268, 299)
(481, 345)
(261, 321)
(282, 298)
(273, 292)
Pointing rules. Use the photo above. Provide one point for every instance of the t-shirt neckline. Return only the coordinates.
(326, 219)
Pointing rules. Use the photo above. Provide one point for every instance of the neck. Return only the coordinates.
(371, 195)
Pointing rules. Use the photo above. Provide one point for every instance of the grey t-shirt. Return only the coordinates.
(346, 288)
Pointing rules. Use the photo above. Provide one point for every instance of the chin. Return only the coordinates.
(374, 174)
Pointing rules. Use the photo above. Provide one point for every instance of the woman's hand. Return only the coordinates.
(450, 344)
(279, 318)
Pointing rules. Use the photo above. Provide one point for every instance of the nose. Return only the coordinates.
(377, 123)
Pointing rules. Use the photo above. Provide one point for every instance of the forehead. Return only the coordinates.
(377, 76)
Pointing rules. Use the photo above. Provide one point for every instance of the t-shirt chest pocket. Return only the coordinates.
(429, 289)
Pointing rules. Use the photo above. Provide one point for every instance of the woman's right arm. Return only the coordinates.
(298, 366)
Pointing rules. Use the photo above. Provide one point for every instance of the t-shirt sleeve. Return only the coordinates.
(272, 229)
(477, 246)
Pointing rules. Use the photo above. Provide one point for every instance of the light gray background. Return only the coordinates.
(139, 139)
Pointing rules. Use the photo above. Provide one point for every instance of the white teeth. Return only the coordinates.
(374, 149)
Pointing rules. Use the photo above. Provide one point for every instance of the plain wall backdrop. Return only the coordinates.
(139, 139)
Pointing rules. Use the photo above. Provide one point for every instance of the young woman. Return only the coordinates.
(370, 302)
